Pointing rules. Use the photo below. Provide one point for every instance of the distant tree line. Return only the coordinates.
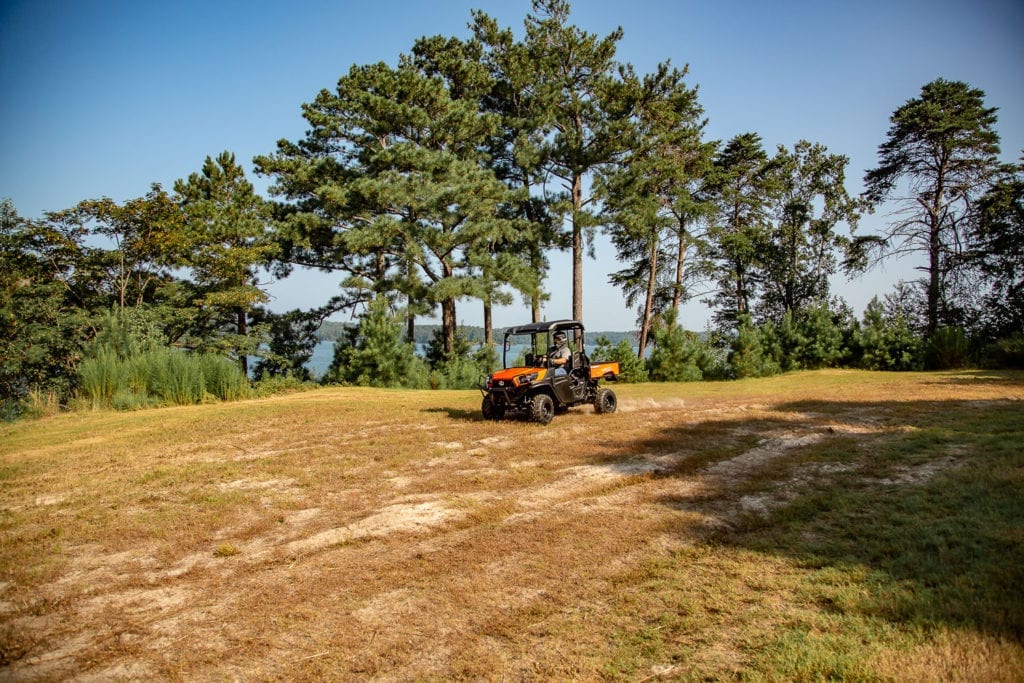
(452, 175)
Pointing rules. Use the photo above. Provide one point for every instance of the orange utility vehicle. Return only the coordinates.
(533, 386)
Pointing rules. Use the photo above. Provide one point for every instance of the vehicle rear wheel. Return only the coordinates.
(605, 401)
(490, 410)
(542, 409)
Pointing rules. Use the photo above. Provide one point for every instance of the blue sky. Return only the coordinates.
(105, 98)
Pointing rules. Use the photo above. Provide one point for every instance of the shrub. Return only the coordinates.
(947, 349)
(677, 354)
(160, 375)
(1005, 353)
(41, 404)
(886, 341)
(128, 332)
(752, 349)
(101, 376)
(128, 399)
(808, 339)
(223, 378)
(181, 379)
(823, 338)
(458, 373)
(463, 368)
(374, 354)
(272, 385)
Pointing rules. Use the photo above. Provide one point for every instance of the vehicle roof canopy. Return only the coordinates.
(544, 327)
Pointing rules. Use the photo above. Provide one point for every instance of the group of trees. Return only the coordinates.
(451, 175)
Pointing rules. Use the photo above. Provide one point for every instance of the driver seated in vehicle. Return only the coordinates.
(559, 354)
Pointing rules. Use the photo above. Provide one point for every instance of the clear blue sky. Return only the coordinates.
(103, 98)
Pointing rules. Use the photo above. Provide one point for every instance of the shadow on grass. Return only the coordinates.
(458, 414)
(925, 499)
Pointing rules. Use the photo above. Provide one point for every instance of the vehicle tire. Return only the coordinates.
(542, 409)
(490, 410)
(605, 401)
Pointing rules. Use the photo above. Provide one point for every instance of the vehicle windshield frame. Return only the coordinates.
(573, 329)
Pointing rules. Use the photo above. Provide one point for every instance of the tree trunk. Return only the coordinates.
(536, 254)
(935, 251)
(488, 333)
(448, 326)
(448, 314)
(790, 296)
(243, 330)
(488, 322)
(577, 248)
(652, 278)
(741, 295)
(935, 247)
(677, 291)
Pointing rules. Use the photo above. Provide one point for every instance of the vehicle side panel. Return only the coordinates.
(600, 370)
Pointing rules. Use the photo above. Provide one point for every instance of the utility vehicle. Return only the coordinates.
(532, 386)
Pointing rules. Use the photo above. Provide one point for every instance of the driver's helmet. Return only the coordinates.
(559, 338)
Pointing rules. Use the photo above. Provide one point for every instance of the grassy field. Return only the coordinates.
(824, 525)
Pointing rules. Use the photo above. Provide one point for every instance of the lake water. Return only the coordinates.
(323, 354)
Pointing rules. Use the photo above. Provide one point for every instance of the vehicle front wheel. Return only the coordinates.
(490, 410)
(605, 401)
(542, 409)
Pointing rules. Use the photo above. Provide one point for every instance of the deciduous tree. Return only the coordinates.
(43, 324)
(802, 247)
(145, 241)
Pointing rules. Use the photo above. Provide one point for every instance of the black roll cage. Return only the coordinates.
(545, 328)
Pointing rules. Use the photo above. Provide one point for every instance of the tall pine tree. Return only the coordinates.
(938, 158)
(652, 207)
(227, 224)
(390, 178)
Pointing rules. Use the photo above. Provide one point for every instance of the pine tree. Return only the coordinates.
(741, 186)
(997, 250)
(374, 354)
(588, 107)
(939, 156)
(651, 201)
(393, 161)
(227, 225)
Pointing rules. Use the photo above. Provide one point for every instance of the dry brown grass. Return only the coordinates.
(354, 534)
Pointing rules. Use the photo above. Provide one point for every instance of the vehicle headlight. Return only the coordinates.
(526, 379)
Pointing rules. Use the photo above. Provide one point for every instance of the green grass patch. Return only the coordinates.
(919, 536)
